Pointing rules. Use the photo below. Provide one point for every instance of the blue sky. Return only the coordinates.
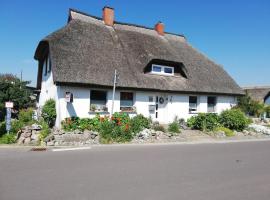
(235, 34)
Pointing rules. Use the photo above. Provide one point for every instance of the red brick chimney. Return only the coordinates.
(159, 27)
(108, 16)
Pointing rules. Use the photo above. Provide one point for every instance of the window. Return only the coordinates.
(98, 100)
(156, 69)
(165, 70)
(126, 101)
(192, 104)
(47, 66)
(151, 99)
(168, 70)
(211, 104)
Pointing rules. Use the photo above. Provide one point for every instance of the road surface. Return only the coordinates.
(230, 171)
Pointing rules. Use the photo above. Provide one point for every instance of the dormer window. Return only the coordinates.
(163, 70)
(47, 65)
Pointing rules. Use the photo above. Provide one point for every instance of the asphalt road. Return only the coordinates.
(230, 171)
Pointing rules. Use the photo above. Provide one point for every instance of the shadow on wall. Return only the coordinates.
(71, 111)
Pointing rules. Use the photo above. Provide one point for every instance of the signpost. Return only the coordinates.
(8, 106)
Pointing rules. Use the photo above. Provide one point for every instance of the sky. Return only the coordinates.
(233, 33)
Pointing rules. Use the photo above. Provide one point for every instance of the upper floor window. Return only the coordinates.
(192, 104)
(160, 69)
(211, 104)
(47, 65)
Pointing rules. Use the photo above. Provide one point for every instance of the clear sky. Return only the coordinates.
(233, 33)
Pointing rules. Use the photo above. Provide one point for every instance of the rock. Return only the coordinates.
(78, 131)
(144, 134)
(27, 140)
(49, 138)
(220, 134)
(51, 143)
(61, 132)
(260, 129)
(36, 127)
(21, 140)
(26, 133)
(35, 137)
(94, 135)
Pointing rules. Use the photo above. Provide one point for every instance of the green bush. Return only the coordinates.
(138, 123)
(204, 121)
(174, 127)
(49, 112)
(45, 131)
(26, 116)
(234, 119)
(8, 139)
(2, 128)
(16, 125)
(228, 132)
(71, 123)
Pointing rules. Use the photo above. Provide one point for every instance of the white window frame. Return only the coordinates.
(162, 70)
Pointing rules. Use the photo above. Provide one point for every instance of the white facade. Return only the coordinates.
(174, 105)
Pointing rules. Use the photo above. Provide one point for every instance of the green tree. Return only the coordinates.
(49, 112)
(12, 89)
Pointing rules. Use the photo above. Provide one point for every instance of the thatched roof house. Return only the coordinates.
(153, 66)
(258, 93)
(86, 51)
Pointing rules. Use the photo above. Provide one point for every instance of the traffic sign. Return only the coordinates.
(9, 104)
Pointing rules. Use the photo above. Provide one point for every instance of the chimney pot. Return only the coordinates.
(159, 27)
(108, 15)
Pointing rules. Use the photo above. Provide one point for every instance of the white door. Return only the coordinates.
(161, 108)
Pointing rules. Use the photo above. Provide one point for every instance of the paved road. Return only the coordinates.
(203, 171)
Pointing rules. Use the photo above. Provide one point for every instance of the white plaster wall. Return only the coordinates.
(176, 105)
(48, 89)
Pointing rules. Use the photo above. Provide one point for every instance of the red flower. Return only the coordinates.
(126, 127)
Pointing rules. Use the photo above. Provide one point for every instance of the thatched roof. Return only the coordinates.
(86, 52)
(258, 93)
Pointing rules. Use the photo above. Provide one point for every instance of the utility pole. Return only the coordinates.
(114, 85)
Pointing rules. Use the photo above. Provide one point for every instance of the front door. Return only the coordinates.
(161, 108)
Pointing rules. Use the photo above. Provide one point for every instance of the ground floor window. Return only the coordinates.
(98, 99)
(126, 101)
(211, 104)
(192, 104)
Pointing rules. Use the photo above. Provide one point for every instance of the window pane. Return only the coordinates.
(98, 97)
(168, 70)
(126, 99)
(156, 69)
(192, 103)
(211, 104)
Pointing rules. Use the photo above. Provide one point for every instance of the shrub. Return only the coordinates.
(49, 112)
(105, 133)
(157, 127)
(138, 123)
(45, 131)
(2, 128)
(228, 132)
(8, 139)
(71, 123)
(234, 119)
(120, 118)
(174, 127)
(204, 121)
(26, 116)
(16, 125)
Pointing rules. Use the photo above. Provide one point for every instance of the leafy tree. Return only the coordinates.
(12, 89)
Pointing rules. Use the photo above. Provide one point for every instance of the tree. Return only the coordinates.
(13, 89)
(49, 112)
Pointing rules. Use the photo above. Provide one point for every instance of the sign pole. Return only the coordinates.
(8, 106)
(113, 94)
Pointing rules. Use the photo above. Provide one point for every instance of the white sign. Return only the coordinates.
(9, 104)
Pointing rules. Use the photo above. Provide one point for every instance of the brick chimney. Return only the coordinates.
(108, 16)
(159, 27)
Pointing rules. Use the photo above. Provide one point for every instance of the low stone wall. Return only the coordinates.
(29, 135)
(73, 138)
